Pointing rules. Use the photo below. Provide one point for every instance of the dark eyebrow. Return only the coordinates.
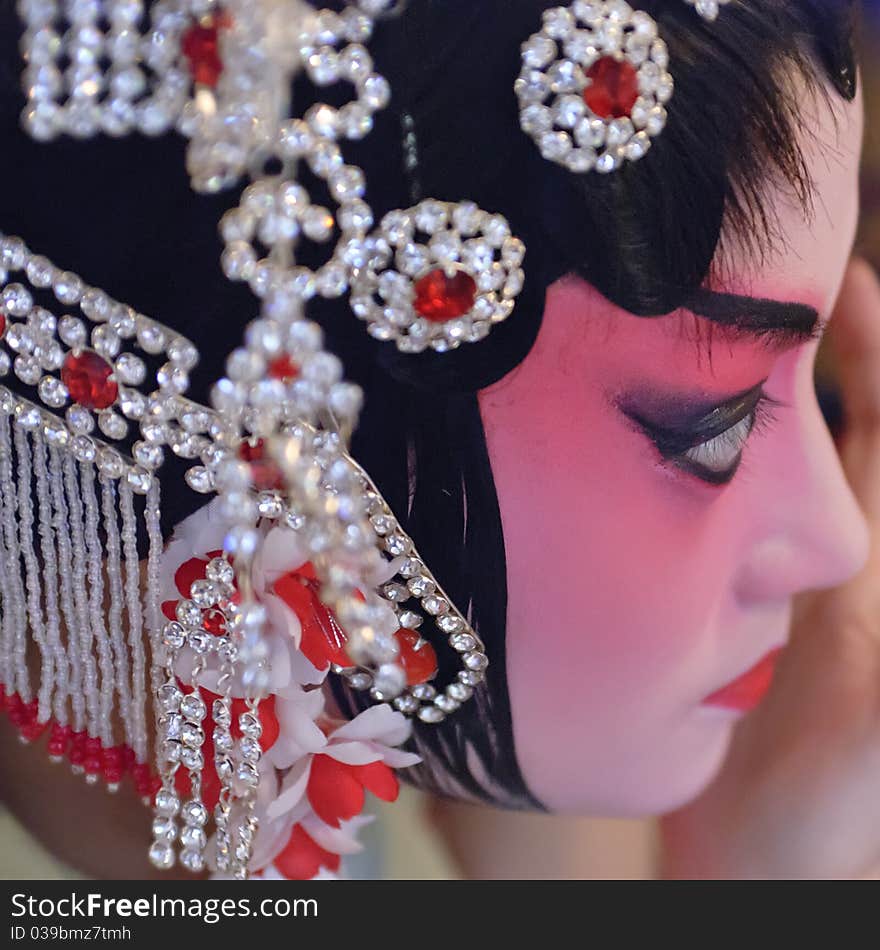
(774, 322)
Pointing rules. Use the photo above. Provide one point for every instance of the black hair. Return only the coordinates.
(645, 237)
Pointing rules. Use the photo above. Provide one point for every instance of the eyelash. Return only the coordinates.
(706, 461)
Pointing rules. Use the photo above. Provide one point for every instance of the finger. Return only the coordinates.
(854, 335)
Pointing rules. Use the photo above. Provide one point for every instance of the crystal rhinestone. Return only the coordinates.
(450, 624)
(112, 425)
(431, 714)
(164, 829)
(83, 448)
(475, 661)
(248, 775)
(173, 635)
(192, 759)
(250, 725)
(192, 836)
(192, 860)
(406, 704)
(460, 692)
(138, 480)
(424, 691)
(462, 642)
(167, 802)
(440, 298)
(162, 855)
(87, 377)
(130, 369)
(435, 605)
(191, 735)
(220, 712)
(27, 417)
(169, 697)
(223, 743)
(27, 369)
(360, 681)
(52, 392)
(389, 682)
(110, 463)
(68, 288)
(220, 571)
(446, 703)
(613, 88)
(470, 677)
(410, 620)
(200, 480)
(193, 707)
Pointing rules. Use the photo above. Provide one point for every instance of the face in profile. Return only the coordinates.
(667, 487)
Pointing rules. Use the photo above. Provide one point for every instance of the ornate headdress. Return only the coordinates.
(196, 668)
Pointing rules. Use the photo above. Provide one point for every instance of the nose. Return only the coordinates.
(814, 534)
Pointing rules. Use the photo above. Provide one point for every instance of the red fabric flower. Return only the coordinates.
(336, 790)
(302, 858)
(323, 639)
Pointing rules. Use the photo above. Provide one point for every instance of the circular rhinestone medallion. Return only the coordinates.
(438, 275)
(594, 85)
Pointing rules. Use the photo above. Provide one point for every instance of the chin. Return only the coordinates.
(677, 771)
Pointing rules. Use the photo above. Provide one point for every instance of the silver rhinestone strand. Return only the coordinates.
(223, 748)
(192, 738)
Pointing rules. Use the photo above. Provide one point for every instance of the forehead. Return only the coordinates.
(807, 254)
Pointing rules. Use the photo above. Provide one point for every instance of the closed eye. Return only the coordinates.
(710, 443)
(718, 459)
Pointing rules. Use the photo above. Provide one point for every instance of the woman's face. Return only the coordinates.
(651, 577)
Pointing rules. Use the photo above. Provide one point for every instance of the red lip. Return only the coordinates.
(746, 692)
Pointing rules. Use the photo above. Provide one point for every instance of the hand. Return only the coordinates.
(799, 796)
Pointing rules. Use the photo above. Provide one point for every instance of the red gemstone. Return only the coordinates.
(440, 297)
(2, 323)
(265, 473)
(613, 88)
(283, 368)
(417, 657)
(214, 622)
(87, 378)
(201, 47)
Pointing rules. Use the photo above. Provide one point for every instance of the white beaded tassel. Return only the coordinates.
(37, 620)
(95, 557)
(122, 668)
(50, 574)
(61, 524)
(80, 635)
(134, 616)
(14, 620)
